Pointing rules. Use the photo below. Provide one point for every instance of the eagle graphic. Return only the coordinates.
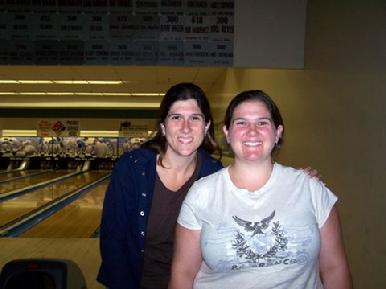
(255, 227)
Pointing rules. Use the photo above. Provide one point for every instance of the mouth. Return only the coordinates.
(252, 143)
(185, 139)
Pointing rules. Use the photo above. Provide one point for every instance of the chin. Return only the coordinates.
(251, 157)
(185, 150)
(187, 153)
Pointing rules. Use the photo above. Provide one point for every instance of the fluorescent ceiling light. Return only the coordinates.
(104, 82)
(25, 81)
(34, 81)
(59, 93)
(30, 93)
(81, 104)
(96, 133)
(116, 94)
(18, 132)
(82, 93)
(148, 94)
(83, 133)
(88, 93)
(71, 81)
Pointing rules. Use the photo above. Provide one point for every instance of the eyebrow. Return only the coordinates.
(176, 113)
(260, 118)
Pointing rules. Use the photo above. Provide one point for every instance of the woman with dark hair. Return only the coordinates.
(258, 224)
(147, 188)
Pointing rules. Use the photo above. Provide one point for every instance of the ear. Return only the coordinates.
(279, 133)
(224, 129)
(207, 127)
(162, 126)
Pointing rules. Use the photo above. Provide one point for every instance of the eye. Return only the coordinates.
(175, 117)
(197, 118)
(240, 122)
(263, 122)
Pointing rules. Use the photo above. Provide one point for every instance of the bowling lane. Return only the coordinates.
(11, 175)
(77, 220)
(33, 180)
(17, 207)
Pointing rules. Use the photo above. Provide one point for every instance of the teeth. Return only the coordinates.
(252, 143)
(185, 139)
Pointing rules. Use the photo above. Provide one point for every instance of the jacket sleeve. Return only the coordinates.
(115, 271)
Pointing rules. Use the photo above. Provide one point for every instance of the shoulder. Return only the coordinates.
(134, 172)
(206, 190)
(292, 178)
(287, 170)
(291, 174)
(208, 183)
(140, 156)
(302, 178)
(315, 189)
(133, 161)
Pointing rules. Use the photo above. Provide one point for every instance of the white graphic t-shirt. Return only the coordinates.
(262, 240)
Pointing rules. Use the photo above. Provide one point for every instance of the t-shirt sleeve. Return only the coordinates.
(323, 201)
(188, 215)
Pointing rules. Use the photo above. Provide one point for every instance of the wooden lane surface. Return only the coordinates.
(16, 207)
(22, 183)
(79, 219)
(84, 252)
(11, 175)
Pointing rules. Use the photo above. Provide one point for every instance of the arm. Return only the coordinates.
(334, 268)
(116, 249)
(186, 259)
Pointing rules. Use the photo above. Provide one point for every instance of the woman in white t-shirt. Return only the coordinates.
(258, 224)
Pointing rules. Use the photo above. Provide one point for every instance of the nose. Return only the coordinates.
(185, 125)
(252, 128)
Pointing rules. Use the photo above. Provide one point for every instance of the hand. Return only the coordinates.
(312, 173)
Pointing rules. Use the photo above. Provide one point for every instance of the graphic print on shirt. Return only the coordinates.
(260, 243)
(256, 227)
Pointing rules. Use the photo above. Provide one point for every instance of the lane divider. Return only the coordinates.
(24, 177)
(22, 191)
(26, 222)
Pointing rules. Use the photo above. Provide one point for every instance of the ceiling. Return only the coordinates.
(136, 79)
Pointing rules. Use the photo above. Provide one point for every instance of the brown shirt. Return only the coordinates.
(159, 241)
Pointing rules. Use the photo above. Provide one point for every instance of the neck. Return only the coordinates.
(250, 176)
(176, 170)
(179, 163)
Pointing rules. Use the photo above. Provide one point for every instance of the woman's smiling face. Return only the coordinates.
(252, 134)
(184, 127)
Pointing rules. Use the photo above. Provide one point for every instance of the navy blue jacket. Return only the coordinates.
(126, 209)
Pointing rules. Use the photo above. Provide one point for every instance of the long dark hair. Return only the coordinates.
(183, 91)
